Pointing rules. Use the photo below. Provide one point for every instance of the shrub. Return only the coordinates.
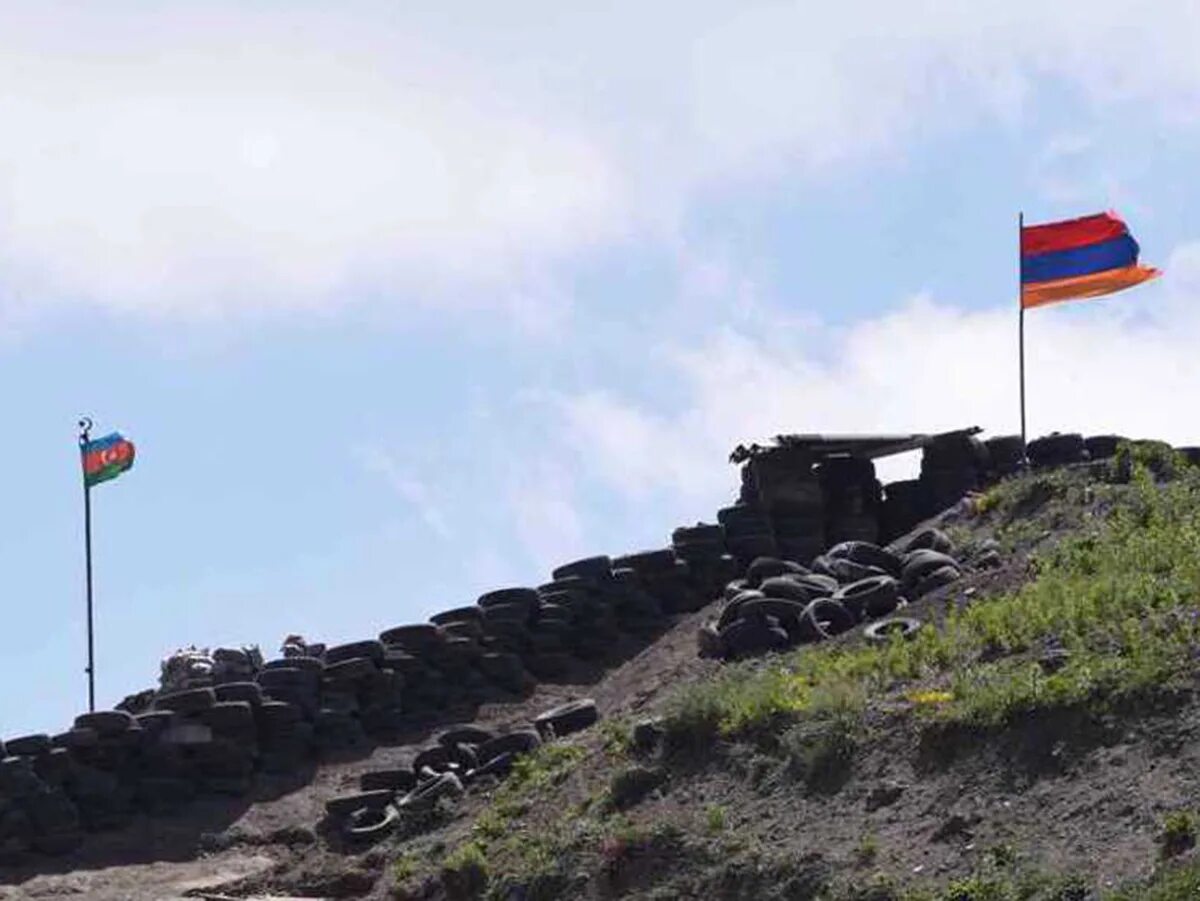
(1178, 833)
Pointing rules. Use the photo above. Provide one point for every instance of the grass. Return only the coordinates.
(1178, 833)
(714, 818)
(1122, 597)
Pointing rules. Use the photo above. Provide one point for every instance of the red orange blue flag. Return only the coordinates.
(1079, 258)
(106, 458)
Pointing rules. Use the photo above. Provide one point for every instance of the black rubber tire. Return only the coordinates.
(341, 807)
(870, 598)
(285, 677)
(465, 735)
(401, 780)
(930, 539)
(276, 715)
(788, 588)
(526, 596)
(731, 610)
(825, 618)
(457, 615)
(786, 613)
(821, 585)
(653, 561)
(370, 824)
(939, 578)
(520, 742)
(79, 737)
(417, 636)
(105, 722)
(847, 571)
(250, 692)
(1056, 450)
(867, 554)
(155, 722)
(426, 795)
(230, 717)
(190, 701)
(352, 669)
(301, 661)
(516, 612)
(500, 765)
(768, 567)
(372, 649)
(881, 631)
(566, 718)
(750, 637)
(735, 587)
(589, 567)
(701, 533)
(919, 564)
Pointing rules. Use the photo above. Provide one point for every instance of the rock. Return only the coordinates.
(648, 735)
(884, 794)
(955, 827)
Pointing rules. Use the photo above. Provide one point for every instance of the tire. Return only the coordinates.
(425, 796)
(508, 613)
(919, 564)
(457, 615)
(566, 718)
(769, 567)
(370, 824)
(526, 596)
(275, 715)
(825, 618)
(154, 722)
(465, 735)
(937, 579)
(701, 533)
(786, 613)
(881, 631)
(732, 610)
(1056, 450)
(191, 701)
(847, 571)
(439, 758)
(417, 637)
(708, 641)
(870, 598)
(79, 737)
(1006, 453)
(927, 539)
(285, 677)
(352, 669)
(250, 692)
(520, 742)
(372, 649)
(750, 547)
(401, 780)
(788, 589)
(341, 807)
(230, 718)
(589, 567)
(500, 765)
(748, 637)
(105, 722)
(867, 554)
(660, 560)
(300, 661)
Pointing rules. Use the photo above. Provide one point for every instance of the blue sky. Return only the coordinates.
(402, 306)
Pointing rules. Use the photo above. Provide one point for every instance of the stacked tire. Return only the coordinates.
(749, 532)
(1006, 456)
(1057, 449)
(852, 498)
(798, 520)
(904, 505)
(702, 548)
(952, 466)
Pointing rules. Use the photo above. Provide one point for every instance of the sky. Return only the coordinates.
(404, 302)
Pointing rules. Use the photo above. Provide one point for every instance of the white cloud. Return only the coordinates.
(1124, 364)
(210, 157)
(414, 491)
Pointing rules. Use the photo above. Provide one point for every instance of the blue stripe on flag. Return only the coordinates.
(1112, 254)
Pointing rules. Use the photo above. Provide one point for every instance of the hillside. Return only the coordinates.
(1032, 738)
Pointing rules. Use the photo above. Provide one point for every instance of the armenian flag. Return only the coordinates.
(106, 458)
(1078, 258)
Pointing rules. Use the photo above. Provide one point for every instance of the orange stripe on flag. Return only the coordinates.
(1079, 287)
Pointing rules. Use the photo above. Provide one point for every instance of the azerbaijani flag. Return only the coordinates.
(106, 458)
(1079, 258)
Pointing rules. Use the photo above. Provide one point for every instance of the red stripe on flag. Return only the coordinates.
(97, 460)
(1071, 233)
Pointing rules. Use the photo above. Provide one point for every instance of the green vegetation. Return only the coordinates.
(1121, 598)
(714, 818)
(630, 785)
(1178, 833)
(618, 737)
(868, 848)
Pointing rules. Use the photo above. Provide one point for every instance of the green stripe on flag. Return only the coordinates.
(108, 472)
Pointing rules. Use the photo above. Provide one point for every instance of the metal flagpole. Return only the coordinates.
(1021, 321)
(85, 427)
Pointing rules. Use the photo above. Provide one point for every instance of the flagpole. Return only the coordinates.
(85, 426)
(1021, 321)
